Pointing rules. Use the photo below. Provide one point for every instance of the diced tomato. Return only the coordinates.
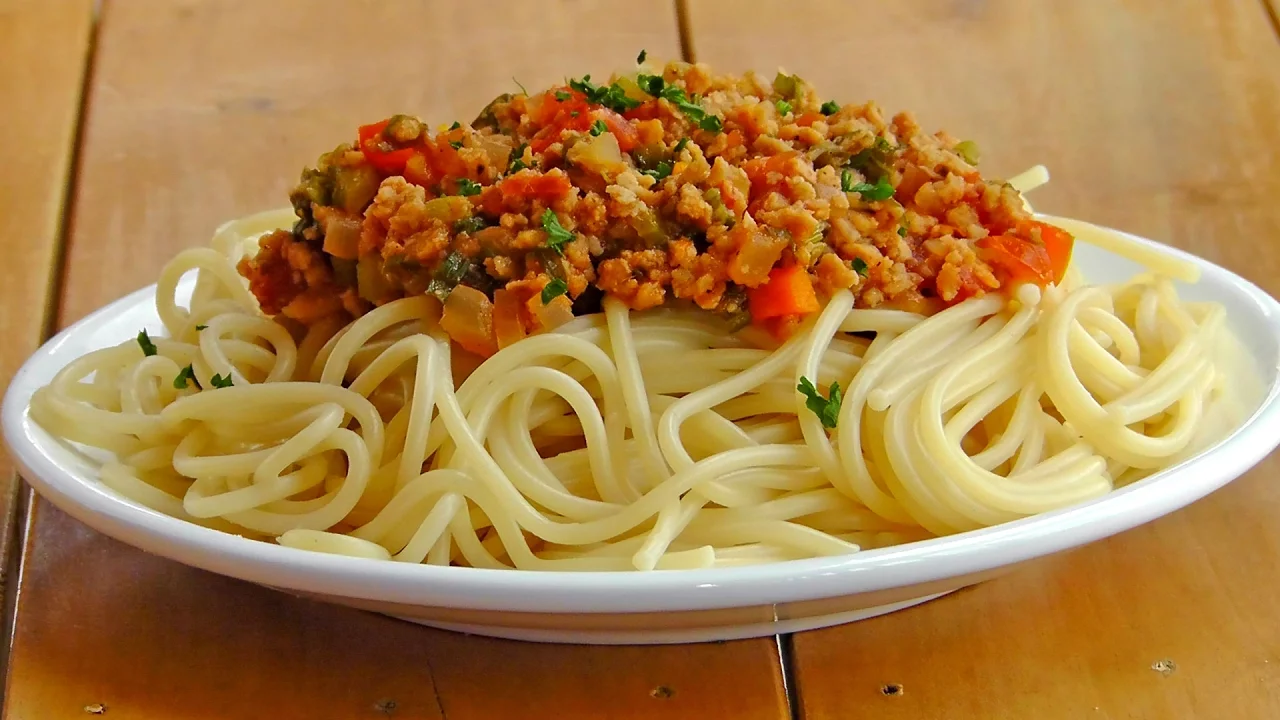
(528, 184)
(418, 172)
(379, 152)
(1016, 261)
(1058, 243)
(622, 129)
(647, 110)
(788, 291)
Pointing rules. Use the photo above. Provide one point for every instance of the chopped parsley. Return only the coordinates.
(517, 162)
(201, 327)
(456, 125)
(902, 231)
(144, 342)
(873, 161)
(657, 87)
(640, 58)
(846, 181)
(553, 290)
(680, 145)
(453, 268)
(882, 190)
(783, 106)
(473, 224)
(557, 235)
(660, 171)
(561, 96)
(610, 96)
(188, 374)
(860, 266)
(598, 128)
(221, 382)
(455, 144)
(830, 107)
(574, 114)
(827, 409)
(468, 187)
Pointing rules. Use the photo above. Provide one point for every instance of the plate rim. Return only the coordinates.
(556, 592)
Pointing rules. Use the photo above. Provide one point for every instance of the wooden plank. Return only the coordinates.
(43, 51)
(203, 110)
(1162, 118)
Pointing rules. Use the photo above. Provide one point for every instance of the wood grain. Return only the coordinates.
(204, 110)
(43, 51)
(1162, 118)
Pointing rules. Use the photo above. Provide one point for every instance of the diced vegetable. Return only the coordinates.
(403, 129)
(528, 184)
(1016, 261)
(468, 318)
(784, 107)
(507, 327)
(488, 116)
(789, 291)
(649, 228)
(647, 157)
(1058, 243)
(341, 234)
(371, 283)
(450, 209)
(786, 85)
(553, 290)
(759, 249)
(830, 107)
(354, 187)
(600, 155)
(968, 150)
(553, 314)
(380, 152)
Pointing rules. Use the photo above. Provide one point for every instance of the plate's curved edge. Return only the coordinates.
(656, 591)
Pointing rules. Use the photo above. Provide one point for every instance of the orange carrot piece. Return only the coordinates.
(788, 291)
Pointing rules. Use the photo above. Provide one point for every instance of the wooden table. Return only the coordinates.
(1156, 116)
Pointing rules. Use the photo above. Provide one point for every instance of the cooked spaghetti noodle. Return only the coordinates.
(626, 440)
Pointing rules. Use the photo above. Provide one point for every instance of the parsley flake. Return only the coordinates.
(455, 144)
(882, 190)
(680, 145)
(517, 159)
(902, 231)
(711, 123)
(860, 266)
(470, 225)
(557, 235)
(201, 327)
(468, 187)
(553, 290)
(456, 125)
(561, 96)
(783, 106)
(188, 374)
(654, 85)
(598, 128)
(610, 96)
(827, 409)
(846, 181)
(660, 171)
(221, 382)
(144, 341)
(830, 107)
(641, 57)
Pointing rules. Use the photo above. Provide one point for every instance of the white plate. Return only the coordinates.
(659, 606)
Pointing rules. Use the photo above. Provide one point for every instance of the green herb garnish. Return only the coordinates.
(201, 327)
(827, 409)
(882, 190)
(598, 128)
(860, 266)
(221, 382)
(517, 162)
(455, 144)
(188, 374)
(561, 96)
(144, 341)
(711, 123)
(456, 125)
(657, 87)
(660, 171)
(830, 107)
(519, 85)
(468, 187)
(557, 235)
(846, 181)
(680, 146)
(611, 96)
(783, 106)
(640, 58)
(553, 290)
